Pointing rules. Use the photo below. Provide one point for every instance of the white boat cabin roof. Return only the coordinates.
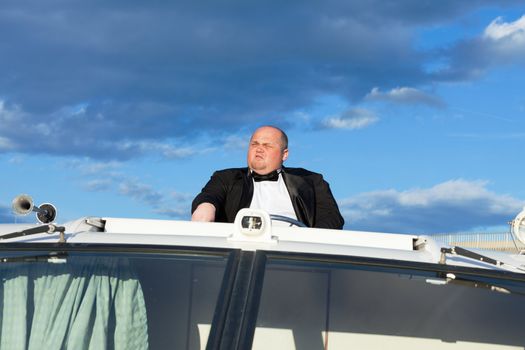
(264, 236)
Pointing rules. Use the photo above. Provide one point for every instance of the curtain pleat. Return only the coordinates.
(84, 303)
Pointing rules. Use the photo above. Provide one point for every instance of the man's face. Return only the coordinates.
(265, 153)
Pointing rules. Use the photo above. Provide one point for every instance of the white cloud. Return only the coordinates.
(90, 136)
(405, 95)
(7, 117)
(5, 144)
(8, 114)
(500, 44)
(171, 204)
(181, 197)
(192, 53)
(504, 42)
(352, 119)
(88, 167)
(176, 213)
(455, 205)
(188, 91)
(453, 191)
(104, 177)
(166, 149)
(235, 142)
(141, 192)
(499, 30)
(98, 185)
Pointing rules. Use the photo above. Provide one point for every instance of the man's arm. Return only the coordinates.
(327, 213)
(204, 212)
(211, 199)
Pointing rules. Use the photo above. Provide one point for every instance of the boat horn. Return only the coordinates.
(23, 205)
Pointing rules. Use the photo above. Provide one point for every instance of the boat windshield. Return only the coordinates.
(116, 300)
(322, 305)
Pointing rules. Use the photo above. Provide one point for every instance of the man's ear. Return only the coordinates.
(285, 154)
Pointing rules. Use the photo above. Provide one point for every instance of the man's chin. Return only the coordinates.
(256, 166)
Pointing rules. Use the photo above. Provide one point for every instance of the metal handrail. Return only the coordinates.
(501, 241)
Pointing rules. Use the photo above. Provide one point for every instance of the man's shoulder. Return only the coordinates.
(231, 172)
(300, 172)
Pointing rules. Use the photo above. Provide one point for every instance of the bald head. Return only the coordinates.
(268, 149)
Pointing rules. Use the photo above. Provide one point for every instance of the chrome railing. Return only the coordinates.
(501, 241)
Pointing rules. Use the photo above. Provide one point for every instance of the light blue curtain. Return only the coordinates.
(83, 303)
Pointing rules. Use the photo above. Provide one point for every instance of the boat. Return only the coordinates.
(125, 283)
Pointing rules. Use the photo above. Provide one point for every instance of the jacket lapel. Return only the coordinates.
(239, 194)
(247, 190)
(302, 196)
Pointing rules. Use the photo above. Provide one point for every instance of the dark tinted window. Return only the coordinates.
(82, 300)
(308, 305)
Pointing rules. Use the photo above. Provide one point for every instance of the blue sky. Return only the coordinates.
(413, 111)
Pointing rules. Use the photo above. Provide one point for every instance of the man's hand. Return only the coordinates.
(204, 212)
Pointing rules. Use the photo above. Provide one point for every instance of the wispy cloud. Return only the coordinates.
(74, 133)
(236, 142)
(140, 192)
(405, 95)
(111, 178)
(171, 204)
(501, 43)
(168, 203)
(175, 213)
(115, 92)
(500, 30)
(5, 144)
(455, 205)
(167, 150)
(87, 166)
(352, 119)
(98, 185)
(180, 197)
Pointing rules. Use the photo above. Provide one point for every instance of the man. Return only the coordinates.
(266, 184)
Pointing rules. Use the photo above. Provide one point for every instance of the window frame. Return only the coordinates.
(236, 311)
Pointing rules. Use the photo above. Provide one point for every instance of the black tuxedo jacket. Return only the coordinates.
(230, 190)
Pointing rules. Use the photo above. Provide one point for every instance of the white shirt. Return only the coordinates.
(273, 197)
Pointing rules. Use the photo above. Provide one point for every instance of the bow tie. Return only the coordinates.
(273, 176)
